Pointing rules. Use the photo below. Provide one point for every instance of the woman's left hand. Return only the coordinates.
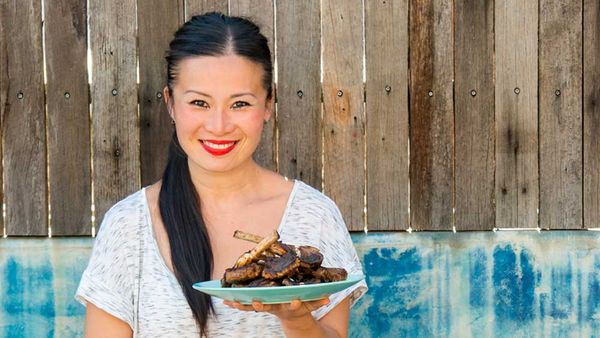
(287, 311)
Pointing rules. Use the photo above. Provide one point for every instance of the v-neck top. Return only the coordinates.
(128, 278)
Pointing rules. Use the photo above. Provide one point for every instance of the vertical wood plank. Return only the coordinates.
(23, 119)
(4, 88)
(517, 178)
(197, 7)
(343, 116)
(386, 38)
(261, 13)
(298, 92)
(560, 88)
(114, 104)
(155, 124)
(67, 100)
(474, 115)
(431, 115)
(591, 113)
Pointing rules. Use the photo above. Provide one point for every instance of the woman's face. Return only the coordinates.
(219, 107)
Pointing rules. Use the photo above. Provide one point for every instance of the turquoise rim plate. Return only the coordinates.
(276, 294)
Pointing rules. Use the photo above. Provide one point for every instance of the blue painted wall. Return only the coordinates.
(479, 284)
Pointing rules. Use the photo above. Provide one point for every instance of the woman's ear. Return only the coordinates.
(269, 108)
(167, 99)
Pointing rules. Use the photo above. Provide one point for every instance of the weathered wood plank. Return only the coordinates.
(196, 7)
(67, 100)
(560, 88)
(23, 119)
(114, 102)
(474, 115)
(298, 92)
(343, 115)
(4, 88)
(386, 38)
(517, 178)
(431, 115)
(261, 13)
(155, 124)
(591, 114)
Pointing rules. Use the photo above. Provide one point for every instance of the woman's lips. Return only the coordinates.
(218, 147)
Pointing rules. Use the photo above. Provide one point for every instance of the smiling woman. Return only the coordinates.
(156, 243)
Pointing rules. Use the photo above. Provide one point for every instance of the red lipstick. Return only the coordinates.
(218, 147)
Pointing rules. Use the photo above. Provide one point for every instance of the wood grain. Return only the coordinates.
(591, 114)
(343, 115)
(431, 115)
(67, 102)
(4, 88)
(474, 115)
(196, 7)
(114, 102)
(386, 37)
(23, 119)
(299, 90)
(261, 13)
(155, 124)
(517, 175)
(560, 88)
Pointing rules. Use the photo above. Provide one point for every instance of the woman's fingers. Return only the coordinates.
(296, 306)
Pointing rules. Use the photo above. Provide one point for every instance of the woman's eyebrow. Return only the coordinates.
(204, 94)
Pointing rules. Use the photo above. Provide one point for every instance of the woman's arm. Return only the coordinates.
(99, 323)
(334, 324)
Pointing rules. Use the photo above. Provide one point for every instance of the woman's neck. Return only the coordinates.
(224, 187)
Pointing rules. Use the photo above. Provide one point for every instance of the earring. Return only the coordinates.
(172, 122)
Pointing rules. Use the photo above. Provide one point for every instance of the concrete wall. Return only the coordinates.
(481, 284)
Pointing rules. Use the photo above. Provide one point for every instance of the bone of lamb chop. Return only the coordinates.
(277, 248)
(253, 254)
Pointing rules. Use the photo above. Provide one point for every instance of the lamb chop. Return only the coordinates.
(242, 274)
(330, 274)
(273, 263)
(310, 257)
(280, 267)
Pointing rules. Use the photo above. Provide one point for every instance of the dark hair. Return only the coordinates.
(211, 34)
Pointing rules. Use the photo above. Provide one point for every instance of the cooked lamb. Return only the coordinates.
(273, 263)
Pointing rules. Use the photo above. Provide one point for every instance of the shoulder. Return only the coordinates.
(122, 220)
(310, 200)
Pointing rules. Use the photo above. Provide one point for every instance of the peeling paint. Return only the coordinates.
(480, 284)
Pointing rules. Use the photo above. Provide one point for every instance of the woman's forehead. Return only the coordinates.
(231, 72)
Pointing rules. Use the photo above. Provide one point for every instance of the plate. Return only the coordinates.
(276, 294)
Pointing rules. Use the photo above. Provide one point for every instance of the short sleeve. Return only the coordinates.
(108, 281)
(338, 251)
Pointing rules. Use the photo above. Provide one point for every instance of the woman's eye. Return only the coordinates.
(240, 104)
(199, 103)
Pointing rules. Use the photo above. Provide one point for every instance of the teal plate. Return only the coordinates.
(276, 294)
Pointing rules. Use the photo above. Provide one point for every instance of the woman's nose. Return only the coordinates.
(218, 122)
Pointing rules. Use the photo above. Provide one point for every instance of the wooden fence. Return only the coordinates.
(473, 115)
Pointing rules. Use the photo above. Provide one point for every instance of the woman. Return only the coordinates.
(153, 245)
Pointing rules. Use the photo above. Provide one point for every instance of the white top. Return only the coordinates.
(127, 277)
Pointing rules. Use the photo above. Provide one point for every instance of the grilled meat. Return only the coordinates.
(273, 263)
(261, 282)
(242, 274)
(310, 257)
(280, 267)
(331, 274)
